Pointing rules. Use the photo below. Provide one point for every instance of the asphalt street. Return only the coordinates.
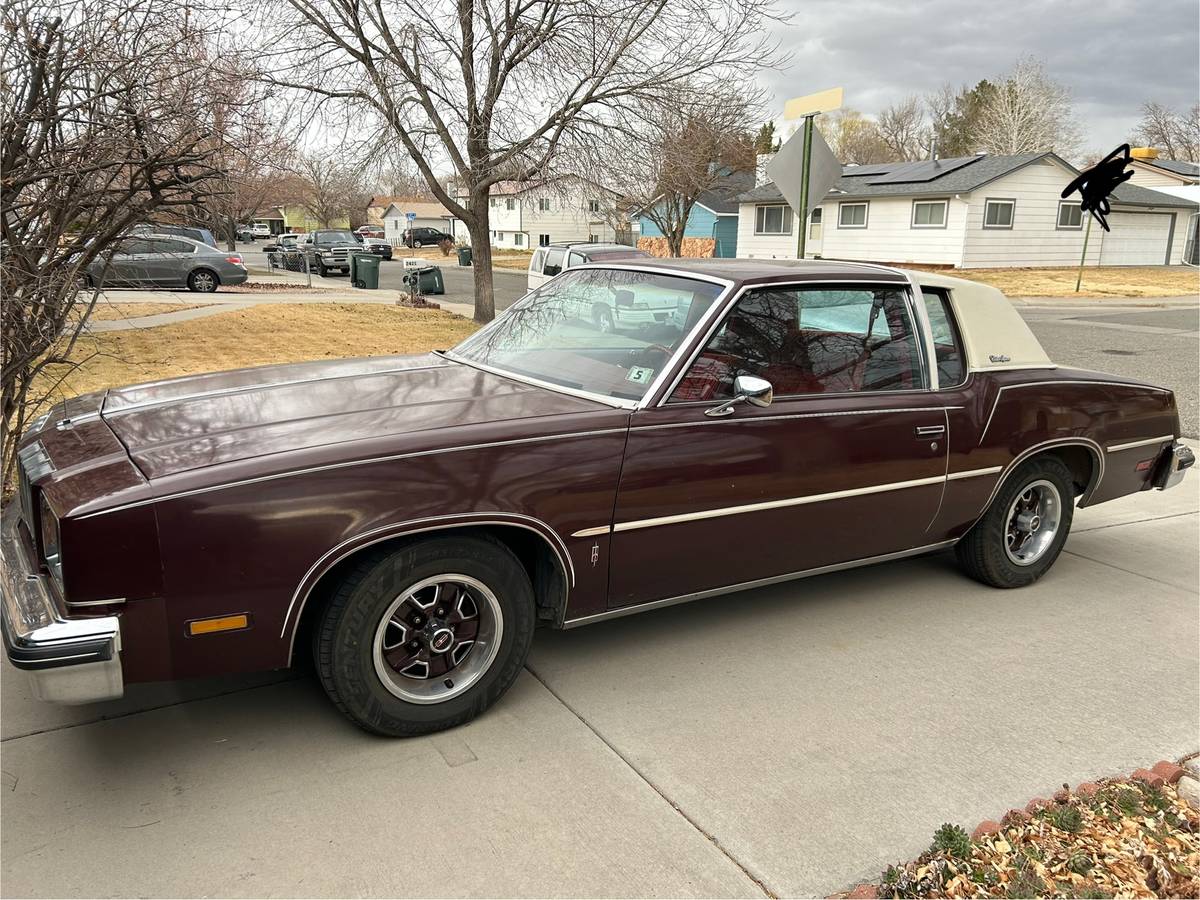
(787, 741)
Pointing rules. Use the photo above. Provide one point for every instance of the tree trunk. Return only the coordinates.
(675, 241)
(231, 225)
(481, 260)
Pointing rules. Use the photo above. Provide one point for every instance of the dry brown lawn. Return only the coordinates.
(258, 335)
(1106, 281)
(501, 259)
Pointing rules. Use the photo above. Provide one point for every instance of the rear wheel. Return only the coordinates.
(1023, 531)
(203, 281)
(426, 637)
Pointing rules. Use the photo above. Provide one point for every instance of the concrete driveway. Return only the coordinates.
(789, 741)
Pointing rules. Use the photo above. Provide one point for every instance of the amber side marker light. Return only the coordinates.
(197, 627)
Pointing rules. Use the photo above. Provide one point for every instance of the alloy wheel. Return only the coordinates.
(1032, 523)
(438, 638)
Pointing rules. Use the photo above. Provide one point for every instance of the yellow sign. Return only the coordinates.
(824, 101)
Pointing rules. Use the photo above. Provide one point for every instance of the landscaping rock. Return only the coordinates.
(1192, 766)
(1088, 789)
(1015, 817)
(1062, 795)
(985, 828)
(864, 892)
(1170, 772)
(1037, 803)
(1152, 779)
(1188, 789)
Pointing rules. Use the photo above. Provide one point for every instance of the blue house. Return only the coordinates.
(715, 214)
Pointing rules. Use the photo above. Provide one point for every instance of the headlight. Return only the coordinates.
(51, 545)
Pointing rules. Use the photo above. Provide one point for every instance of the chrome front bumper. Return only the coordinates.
(68, 660)
(1173, 465)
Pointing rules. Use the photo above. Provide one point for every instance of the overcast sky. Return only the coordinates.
(1114, 56)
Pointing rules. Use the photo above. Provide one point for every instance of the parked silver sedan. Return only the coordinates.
(167, 261)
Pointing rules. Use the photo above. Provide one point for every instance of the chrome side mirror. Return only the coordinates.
(746, 388)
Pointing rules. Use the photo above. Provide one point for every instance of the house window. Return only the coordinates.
(1070, 216)
(543, 204)
(998, 213)
(594, 206)
(518, 239)
(773, 220)
(499, 235)
(929, 213)
(543, 240)
(492, 202)
(852, 215)
(510, 204)
(593, 238)
(814, 225)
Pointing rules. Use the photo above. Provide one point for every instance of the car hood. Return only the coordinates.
(311, 413)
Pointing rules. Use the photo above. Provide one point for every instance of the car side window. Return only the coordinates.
(174, 247)
(810, 341)
(535, 264)
(554, 262)
(947, 344)
(575, 259)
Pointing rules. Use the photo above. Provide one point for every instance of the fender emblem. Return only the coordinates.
(1000, 358)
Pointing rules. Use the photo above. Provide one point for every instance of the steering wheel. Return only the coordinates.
(640, 355)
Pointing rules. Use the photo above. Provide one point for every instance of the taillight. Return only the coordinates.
(236, 260)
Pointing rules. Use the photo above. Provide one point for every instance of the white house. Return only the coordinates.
(532, 214)
(967, 212)
(427, 215)
(1152, 172)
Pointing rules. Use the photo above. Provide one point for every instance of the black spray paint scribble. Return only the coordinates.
(1095, 184)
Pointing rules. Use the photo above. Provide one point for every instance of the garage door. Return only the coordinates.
(1136, 239)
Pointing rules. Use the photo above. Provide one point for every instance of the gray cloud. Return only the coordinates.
(1114, 56)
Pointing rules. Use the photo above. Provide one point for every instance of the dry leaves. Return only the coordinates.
(1129, 840)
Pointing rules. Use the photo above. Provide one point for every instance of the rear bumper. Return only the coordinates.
(68, 660)
(1173, 465)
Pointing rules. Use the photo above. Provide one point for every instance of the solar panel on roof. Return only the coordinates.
(872, 169)
(924, 170)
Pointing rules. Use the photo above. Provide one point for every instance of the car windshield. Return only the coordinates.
(327, 237)
(608, 332)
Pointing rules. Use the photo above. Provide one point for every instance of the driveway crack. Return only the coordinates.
(711, 838)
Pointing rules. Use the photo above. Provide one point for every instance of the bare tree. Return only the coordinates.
(685, 148)
(903, 129)
(333, 188)
(854, 138)
(495, 90)
(1028, 112)
(103, 127)
(1175, 135)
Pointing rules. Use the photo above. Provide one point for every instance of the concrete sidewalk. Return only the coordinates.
(790, 741)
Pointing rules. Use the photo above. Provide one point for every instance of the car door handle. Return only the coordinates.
(930, 430)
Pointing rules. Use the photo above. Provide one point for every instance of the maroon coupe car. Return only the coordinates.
(409, 521)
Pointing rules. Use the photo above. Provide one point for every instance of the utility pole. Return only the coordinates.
(1083, 256)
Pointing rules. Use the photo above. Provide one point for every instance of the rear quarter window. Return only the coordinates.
(947, 343)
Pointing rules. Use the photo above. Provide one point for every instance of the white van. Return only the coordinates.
(548, 261)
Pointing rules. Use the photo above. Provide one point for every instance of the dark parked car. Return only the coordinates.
(424, 237)
(378, 246)
(327, 250)
(159, 260)
(410, 520)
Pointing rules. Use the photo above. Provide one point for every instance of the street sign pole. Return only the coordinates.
(1083, 256)
(803, 217)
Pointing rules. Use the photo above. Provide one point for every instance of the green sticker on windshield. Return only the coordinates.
(639, 374)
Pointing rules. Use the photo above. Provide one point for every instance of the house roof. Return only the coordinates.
(1174, 166)
(958, 175)
(423, 208)
(723, 198)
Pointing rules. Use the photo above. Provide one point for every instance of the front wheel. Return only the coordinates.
(427, 636)
(602, 318)
(1023, 531)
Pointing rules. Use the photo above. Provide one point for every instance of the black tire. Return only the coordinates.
(417, 245)
(321, 270)
(203, 281)
(984, 552)
(345, 640)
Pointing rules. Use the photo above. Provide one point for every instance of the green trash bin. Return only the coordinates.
(464, 256)
(364, 270)
(428, 280)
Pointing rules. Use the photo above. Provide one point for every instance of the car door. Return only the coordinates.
(847, 464)
(167, 262)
